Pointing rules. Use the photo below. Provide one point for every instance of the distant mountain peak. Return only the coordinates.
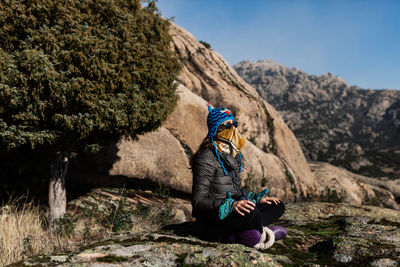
(266, 63)
(335, 122)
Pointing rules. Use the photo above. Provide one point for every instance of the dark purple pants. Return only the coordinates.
(262, 215)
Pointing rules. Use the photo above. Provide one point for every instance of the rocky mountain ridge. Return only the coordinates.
(345, 125)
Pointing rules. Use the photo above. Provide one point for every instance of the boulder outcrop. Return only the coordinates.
(273, 156)
(339, 185)
(345, 125)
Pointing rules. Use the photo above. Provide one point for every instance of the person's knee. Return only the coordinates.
(281, 208)
(253, 216)
(254, 219)
(277, 209)
(252, 213)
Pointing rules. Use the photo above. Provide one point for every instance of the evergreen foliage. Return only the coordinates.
(207, 45)
(79, 72)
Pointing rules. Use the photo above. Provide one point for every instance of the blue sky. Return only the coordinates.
(358, 40)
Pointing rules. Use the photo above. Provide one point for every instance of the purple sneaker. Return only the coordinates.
(249, 238)
(279, 231)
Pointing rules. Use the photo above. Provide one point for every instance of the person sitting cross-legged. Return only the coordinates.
(224, 211)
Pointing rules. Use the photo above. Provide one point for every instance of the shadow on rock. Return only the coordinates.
(183, 229)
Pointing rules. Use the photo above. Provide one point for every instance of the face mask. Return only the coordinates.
(229, 141)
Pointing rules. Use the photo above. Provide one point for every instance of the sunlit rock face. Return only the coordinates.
(273, 156)
(340, 185)
(334, 122)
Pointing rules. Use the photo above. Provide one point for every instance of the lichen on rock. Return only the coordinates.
(318, 233)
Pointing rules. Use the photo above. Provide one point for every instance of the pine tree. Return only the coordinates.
(75, 74)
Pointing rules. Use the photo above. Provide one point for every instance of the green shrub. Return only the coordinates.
(164, 215)
(82, 70)
(27, 247)
(142, 211)
(66, 225)
(163, 190)
(118, 217)
(206, 45)
(75, 75)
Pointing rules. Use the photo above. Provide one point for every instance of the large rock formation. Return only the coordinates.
(273, 156)
(337, 123)
(339, 185)
(274, 159)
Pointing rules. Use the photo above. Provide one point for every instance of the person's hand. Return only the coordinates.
(242, 206)
(269, 200)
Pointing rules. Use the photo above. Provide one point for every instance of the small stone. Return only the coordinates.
(180, 216)
(139, 248)
(59, 258)
(384, 263)
(123, 252)
(342, 258)
(207, 252)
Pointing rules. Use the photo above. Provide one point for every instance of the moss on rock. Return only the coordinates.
(318, 233)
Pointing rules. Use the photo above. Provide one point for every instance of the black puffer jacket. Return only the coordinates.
(210, 183)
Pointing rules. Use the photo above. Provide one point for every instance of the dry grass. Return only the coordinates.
(22, 233)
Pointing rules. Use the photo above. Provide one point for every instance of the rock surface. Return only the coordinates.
(154, 204)
(318, 233)
(208, 75)
(339, 185)
(337, 123)
(336, 234)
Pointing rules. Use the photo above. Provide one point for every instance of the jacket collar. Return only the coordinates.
(230, 162)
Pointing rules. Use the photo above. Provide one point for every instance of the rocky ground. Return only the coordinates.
(345, 125)
(319, 233)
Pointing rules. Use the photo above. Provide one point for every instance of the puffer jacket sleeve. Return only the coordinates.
(204, 171)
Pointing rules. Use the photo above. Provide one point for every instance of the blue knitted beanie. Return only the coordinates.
(215, 117)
